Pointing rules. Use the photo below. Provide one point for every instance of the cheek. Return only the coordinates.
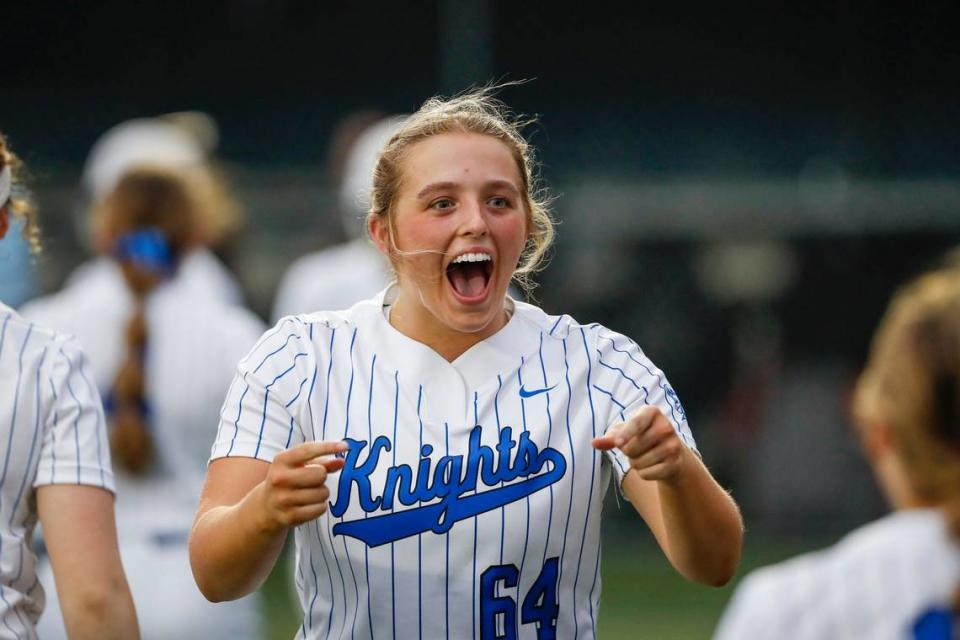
(512, 232)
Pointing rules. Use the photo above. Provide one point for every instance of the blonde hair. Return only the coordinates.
(476, 111)
(18, 205)
(216, 214)
(912, 383)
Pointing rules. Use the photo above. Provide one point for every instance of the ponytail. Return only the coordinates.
(149, 218)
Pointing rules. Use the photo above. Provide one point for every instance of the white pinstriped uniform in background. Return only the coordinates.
(874, 584)
(51, 432)
(438, 528)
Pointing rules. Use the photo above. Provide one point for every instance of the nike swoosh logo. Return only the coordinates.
(402, 524)
(524, 393)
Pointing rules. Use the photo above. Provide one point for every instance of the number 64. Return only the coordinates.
(539, 606)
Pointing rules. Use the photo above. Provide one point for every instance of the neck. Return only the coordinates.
(417, 322)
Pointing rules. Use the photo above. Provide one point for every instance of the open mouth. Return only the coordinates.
(469, 275)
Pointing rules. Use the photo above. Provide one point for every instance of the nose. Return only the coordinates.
(473, 219)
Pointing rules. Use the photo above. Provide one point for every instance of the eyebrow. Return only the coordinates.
(433, 187)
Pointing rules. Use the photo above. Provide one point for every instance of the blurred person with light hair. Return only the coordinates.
(56, 470)
(339, 276)
(897, 577)
(163, 363)
(178, 141)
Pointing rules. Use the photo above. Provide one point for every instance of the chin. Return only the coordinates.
(471, 321)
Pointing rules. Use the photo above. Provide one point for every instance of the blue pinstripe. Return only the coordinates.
(346, 430)
(526, 535)
(275, 352)
(366, 549)
(56, 422)
(555, 324)
(92, 389)
(619, 404)
(76, 421)
(543, 370)
(393, 584)
(326, 564)
(446, 577)
(33, 445)
(573, 476)
(623, 374)
(593, 458)
(323, 431)
(236, 422)
(420, 535)
(266, 397)
(496, 412)
(473, 585)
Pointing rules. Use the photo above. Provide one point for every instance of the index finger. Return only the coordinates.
(303, 453)
(635, 425)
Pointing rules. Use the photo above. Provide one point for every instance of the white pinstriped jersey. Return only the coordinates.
(470, 502)
(52, 432)
(879, 583)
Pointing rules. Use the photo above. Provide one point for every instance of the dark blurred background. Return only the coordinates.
(739, 188)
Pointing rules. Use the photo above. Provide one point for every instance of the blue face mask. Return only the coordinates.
(147, 249)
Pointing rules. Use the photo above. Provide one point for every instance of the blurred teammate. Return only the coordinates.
(163, 363)
(339, 276)
(176, 141)
(898, 577)
(55, 468)
(437, 449)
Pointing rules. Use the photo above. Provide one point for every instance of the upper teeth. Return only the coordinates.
(472, 257)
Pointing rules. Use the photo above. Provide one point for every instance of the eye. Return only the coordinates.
(499, 202)
(442, 204)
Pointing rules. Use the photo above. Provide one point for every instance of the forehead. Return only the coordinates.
(459, 157)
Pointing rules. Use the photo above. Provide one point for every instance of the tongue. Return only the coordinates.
(468, 279)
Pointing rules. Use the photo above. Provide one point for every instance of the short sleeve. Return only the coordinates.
(75, 449)
(625, 379)
(257, 418)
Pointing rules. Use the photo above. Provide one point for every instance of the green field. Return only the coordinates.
(643, 597)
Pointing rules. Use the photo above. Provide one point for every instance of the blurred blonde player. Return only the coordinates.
(339, 276)
(898, 577)
(163, 363)
(180, 141)
(441, 451)
(55, 467)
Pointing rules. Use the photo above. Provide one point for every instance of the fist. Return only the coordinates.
(651, 443)
(295, 490)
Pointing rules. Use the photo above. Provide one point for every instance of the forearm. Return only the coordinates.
(702, 525)
(233, 548)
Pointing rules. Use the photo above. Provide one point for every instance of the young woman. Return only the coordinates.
(163, 357)
(55, 467)
(441, 451)
(898, 577)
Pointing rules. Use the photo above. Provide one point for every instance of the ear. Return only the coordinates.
(4, 221)
(877, 440)
(379, 228)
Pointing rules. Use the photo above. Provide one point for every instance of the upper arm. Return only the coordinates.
(229, 480)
